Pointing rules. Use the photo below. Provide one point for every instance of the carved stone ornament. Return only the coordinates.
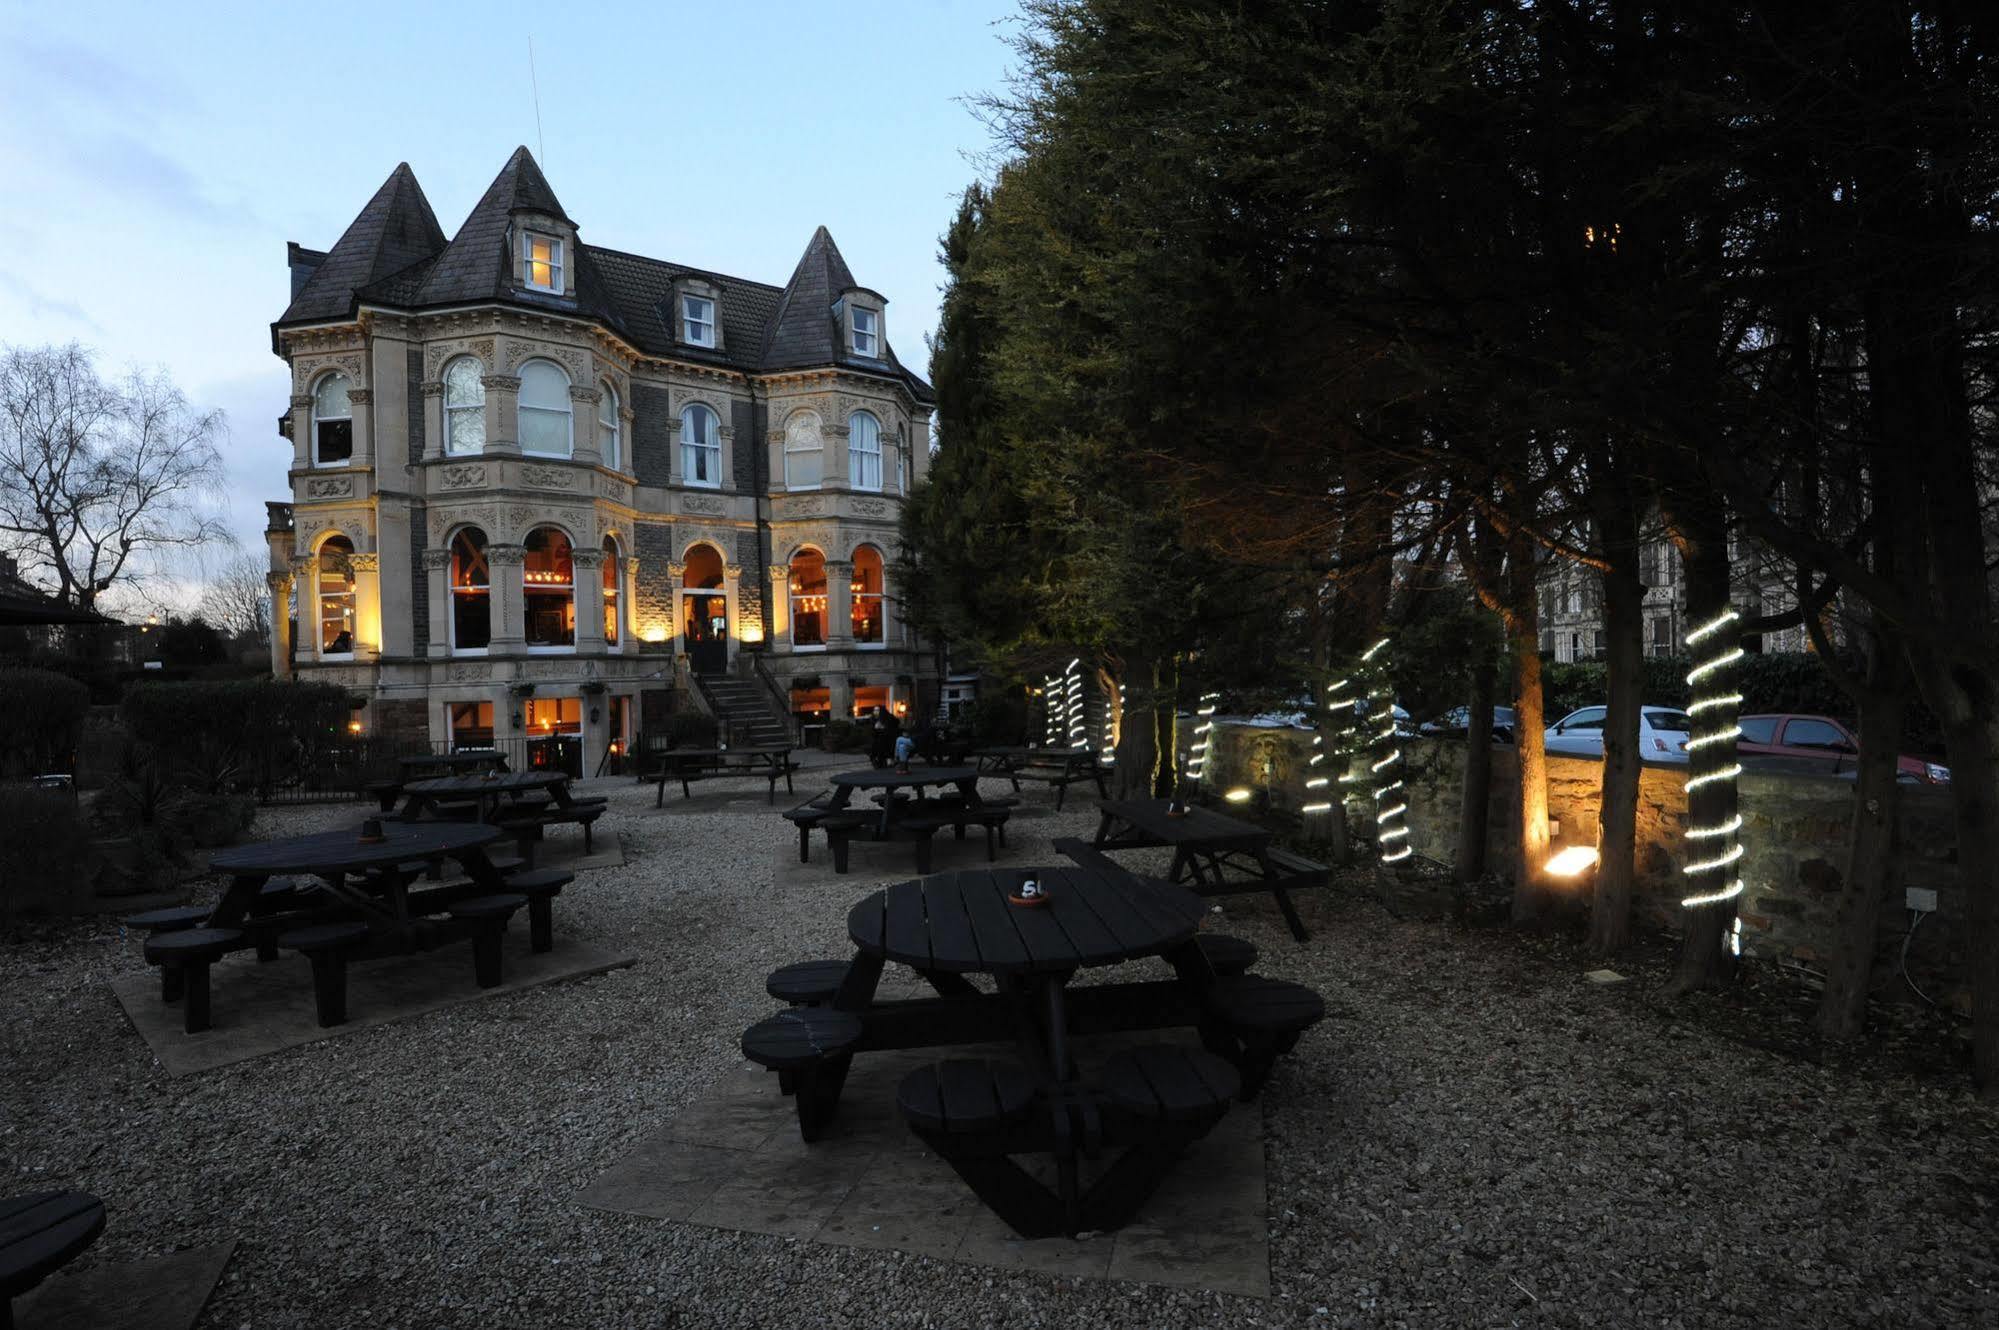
(814, 507)
(360, 396)
(676, 571)
(463, 477)
(613, 489)
(779, 571)
(433, 387)
(329, 487)
(549, 477)
(365, 563)
(586, 559)
(480, 348)
(870, 507)
(301, 401)
(279, 583)
(436, 560)
(520, 515)
(732, 571)
(506, 554)
(500, 383)
(703, 503)
(469, 673)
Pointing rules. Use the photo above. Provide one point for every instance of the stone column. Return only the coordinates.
(628, 606)
(588, 568)
(675, 574)
(281, 627)
(503, 415)
(780, 606)
(583, 425)
(437, 593)
(839, 697)
(509, 602)
(432, 443)
(774, 445)
(361, 401)
(839, 606)
(367, 605)
(673, 472)
(726, 435)
(305, 580)
(732, 596)
(301, 431)
(596, 729)
(834, 459)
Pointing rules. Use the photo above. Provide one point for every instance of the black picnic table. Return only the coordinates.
(1222, 855)
(773, 762)
(39, 1234)
(467, 759)
(952, 925)
(485, 791)
(845, 783)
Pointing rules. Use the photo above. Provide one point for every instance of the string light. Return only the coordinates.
(1391, 832)
(1072, 704)
(1197, 752)
(1711, 880)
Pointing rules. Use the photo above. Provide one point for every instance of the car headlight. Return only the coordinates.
(1941, 775)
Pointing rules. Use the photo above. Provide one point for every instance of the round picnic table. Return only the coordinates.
(39, 1234)
(869, 778)
(336, 856)
(484, 790)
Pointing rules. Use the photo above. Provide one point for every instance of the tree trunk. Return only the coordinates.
(1165, 720)
(1617, 844)
(1849, 976)
(1700, 528)
(1473, 809)
(1532, 898)
(1138, 739)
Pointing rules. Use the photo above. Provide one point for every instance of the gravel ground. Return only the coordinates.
(1476, 1137)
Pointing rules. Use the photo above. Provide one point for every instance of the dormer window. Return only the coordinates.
(867, 333)
(697, 321)
(542, 262)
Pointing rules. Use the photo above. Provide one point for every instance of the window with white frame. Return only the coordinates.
(864, 451)
(336, 597)
(866, 597)
(804, 452)
(332, 421)
(700, 446)
(541, 262)
(607, 425)
(471, 592)
(901, 469)
(614, 573)
(464, 407)
(544, 409)
(867, 332)
(697, 320)
(548, 589)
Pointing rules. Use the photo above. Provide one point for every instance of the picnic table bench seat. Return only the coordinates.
(1087, 855)
(1170, 1083)
(965, 1096)
(328, 947)
(806, 983)
(171, 919)
(1265, 1017)
(810, 1048)
(1058, 774)
(385, 793)
(1227, 956)
(184, 956)
(488, 917)
(40, 1233)
(805, 817)
(527, 827)
(541, 886)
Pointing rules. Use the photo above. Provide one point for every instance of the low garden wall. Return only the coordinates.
(1795, 829)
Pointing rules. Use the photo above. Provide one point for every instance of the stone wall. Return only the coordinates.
(652, 440)
(652, 587)
(1794, 836)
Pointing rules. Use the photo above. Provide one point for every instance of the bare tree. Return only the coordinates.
(99, 481)
(238, 601)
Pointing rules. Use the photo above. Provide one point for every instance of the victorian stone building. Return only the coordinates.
(536, 484)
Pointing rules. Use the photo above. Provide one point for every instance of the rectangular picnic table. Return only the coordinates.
(687, 765)
(1224, 856)
(1059, 767)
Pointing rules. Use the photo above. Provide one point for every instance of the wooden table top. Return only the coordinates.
(470, 758)
(501, 782)
(344, 852)
(963, 923)
(1201, 826)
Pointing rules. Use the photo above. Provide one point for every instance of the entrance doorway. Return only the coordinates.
(705, 632)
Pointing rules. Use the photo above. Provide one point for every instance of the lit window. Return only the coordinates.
(471, 592)
(544, 262)
(464, 407)
(332, 422)
(607, 425)
(544, 410)
(548, 588)
(867, 597)
(700, 447)
(803, 452)
(808, 599)
(864, 451)
(613, 580)
(867, 332)
(336, 597)
(697, 320)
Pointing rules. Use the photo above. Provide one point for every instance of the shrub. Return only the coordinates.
(45, 857)
(234, 734)
(40, 721)
(844, 736)
(995, 721)
(207, 820)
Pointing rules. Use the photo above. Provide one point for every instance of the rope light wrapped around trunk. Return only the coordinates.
(1076, 730)
(1391, 826)
(1318, 793)
(1204, 726)
(1712, 875)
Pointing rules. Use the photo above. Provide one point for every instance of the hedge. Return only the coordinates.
(40, 721)
(236, 734)
(45, 859)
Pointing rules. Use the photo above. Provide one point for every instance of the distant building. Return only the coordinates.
(533, 480)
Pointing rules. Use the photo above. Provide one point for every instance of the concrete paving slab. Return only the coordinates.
(165, 1293)
(263, 1008)
(733, 1159)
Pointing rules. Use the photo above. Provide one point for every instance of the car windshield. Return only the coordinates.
(1677, 721)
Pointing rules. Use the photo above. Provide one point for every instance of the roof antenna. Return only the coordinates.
(534, 86)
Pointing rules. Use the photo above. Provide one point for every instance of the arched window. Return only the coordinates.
(336, 597)
(704, 569)
(808, 599)
(471, 592)
(700, 446)
(544, 410)
(548, 588)
(867, 595)
(864, 451)
(803, 451)
(464, 407)
(332, 421)
(614, 578)
(607, 425)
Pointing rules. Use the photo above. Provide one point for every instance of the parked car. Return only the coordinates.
(1823, 742)
(1453, 724)
(1663, 733)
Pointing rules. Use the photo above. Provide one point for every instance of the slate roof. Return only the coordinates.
(394, 254)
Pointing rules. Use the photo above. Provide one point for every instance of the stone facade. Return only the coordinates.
(415, 461)
(1795, 831)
